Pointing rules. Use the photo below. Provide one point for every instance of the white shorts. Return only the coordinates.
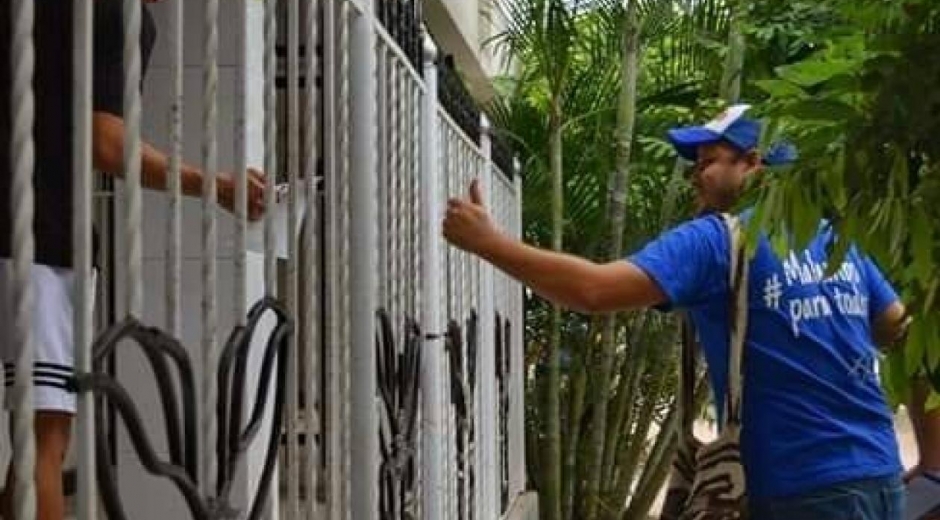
(52, 336)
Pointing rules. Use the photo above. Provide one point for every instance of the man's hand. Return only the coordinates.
(890, 327)
(226, 187)
(467, 224)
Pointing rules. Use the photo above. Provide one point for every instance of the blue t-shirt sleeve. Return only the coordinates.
(880, 292)
(689, 263)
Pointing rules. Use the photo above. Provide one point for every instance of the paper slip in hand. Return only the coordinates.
(278, 213)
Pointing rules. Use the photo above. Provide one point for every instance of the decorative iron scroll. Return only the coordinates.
(399, 385)
(456, 99)
(179, 411)
(502, 153)
(463, 363)
(503, 367)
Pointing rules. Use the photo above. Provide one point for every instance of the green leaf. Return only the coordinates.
(836, 186)
(931, 294)
(932, 349)
(915, 348)
(779, 88)
(898, 224)
(921, 235)
(844, 231)
(814, 72)
(894, 376)
(822, 110)
(805, 218)
(933, 401)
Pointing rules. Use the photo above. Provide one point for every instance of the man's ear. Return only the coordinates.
(753, 161)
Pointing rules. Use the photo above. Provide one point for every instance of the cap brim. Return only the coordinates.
(686, 140)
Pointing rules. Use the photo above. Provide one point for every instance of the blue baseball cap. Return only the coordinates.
(730, 126)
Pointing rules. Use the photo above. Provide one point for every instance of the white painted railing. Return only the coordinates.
(403, 387)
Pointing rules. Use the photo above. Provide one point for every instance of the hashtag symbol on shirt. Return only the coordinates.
(773, 290)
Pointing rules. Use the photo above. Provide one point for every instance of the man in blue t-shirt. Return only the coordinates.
(818, 439)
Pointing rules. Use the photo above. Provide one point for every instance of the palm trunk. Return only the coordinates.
(734, 67)
(533, 428)
(634, 366)
(629, 457)
(659, 462)
(617, 208)
(645, 494)
(623, 406)
(577, 384)
(551, 451)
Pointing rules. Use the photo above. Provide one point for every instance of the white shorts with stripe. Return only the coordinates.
(52, 336)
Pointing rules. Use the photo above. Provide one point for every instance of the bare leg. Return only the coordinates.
(6, 498)
(52, 441)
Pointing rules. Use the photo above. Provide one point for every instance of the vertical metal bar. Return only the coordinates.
(517, 390)
(209, 244)
(174, 185)
(22, 156)
(311, 271)
(404, 282)
(363, 262)
(82, 251)
(344, 396)
(240, 254)
(484, 284)
(459, 190)
(332, 140)
(451, 155)
(415, 171)
(135, 286)
(417, 210)
(384, 173)
(394, 189)
(270, 144)
(445, 257)
(291, 299)
(433, 430)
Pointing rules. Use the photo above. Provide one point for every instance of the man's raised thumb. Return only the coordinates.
(476, 196)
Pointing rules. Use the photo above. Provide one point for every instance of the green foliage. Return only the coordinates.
(864, 109)
(853, 83)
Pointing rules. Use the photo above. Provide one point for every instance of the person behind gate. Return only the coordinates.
(818, 438)
(52, 275)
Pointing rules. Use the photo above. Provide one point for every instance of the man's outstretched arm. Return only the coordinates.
(108, 157)
(566, 280)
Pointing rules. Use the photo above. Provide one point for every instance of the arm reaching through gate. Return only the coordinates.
(108, 135)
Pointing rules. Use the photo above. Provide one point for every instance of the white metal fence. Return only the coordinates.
(342, 333)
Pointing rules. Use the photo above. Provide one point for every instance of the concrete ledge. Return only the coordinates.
(448, 35)
(524, 507)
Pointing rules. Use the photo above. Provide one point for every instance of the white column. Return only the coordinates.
(364, 434)
(433, 480)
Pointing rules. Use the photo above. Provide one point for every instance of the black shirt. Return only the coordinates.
(52, 177)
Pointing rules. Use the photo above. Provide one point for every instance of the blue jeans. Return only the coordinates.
(870, 499)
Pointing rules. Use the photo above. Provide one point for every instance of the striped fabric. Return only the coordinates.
(707, 480)
(48, 375)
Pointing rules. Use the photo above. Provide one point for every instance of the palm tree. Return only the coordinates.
(547, 39)
(577, 84)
